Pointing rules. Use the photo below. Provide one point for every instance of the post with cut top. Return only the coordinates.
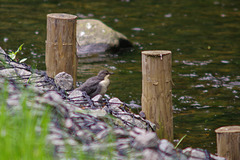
(228, 142)
(157, 91)
(61, 45)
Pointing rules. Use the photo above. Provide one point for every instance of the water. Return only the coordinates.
(202, 35)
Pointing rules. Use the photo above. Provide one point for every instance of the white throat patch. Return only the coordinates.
(104, 83)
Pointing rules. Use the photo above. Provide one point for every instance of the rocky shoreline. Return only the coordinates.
(87, 124)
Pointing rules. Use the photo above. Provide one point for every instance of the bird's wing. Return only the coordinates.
(90, 86)
(96, 92)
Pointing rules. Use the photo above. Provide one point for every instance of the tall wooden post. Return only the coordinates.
(157, 91)
(61, 45)
(228, 142)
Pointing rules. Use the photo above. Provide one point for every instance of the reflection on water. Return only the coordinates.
(202, 35)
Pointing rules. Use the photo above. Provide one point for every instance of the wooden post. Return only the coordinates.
(157, 91)
(228, 142)
(61, 45)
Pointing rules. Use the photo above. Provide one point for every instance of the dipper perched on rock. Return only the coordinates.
(97, 84)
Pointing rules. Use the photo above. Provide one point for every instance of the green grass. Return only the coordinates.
(22, 133)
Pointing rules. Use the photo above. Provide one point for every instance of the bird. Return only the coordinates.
(97, 84)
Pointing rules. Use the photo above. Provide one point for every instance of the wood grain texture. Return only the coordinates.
(61, 45)
(157, 91)
(228, 142)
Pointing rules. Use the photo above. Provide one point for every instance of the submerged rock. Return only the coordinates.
(93, 36)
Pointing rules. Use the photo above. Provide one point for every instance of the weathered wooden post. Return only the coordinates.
(228, 142)
(157, 90)
(61, 45)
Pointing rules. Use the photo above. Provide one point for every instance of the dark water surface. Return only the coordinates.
(203, 36)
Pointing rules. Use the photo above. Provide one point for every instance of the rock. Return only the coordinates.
(3, 52)
(64, 81)
(142, 114)
(115, 103)
(98, 113)
(102, 134)
(93, 36)
(76, 95)
(199, 154)
(217, 158)
(166, 147)
(152, 125)
(168, 151)
(132, 120)
(149, 154)
(123, 145)
(120, 133)
(53, 97)
(11, 72)
(147, 140)
(98, 127)
(137, 131)
(84, 136)
(7, 72)
(97, 100)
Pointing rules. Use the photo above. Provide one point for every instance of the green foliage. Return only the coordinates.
(13, 55)
(22, 133)
(180, 141)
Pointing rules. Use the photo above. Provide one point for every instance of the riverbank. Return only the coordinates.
(75, 127)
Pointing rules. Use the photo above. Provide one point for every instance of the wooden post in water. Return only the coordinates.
(228, 142)
(157, 91)
(61, 45)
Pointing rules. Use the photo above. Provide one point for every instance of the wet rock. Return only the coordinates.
(93, 36)
(64, 81)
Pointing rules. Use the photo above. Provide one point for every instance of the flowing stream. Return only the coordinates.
(203, 36)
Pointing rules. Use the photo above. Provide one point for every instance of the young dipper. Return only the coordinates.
(97, 84)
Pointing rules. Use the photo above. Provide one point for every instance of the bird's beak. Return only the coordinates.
(111, 73)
